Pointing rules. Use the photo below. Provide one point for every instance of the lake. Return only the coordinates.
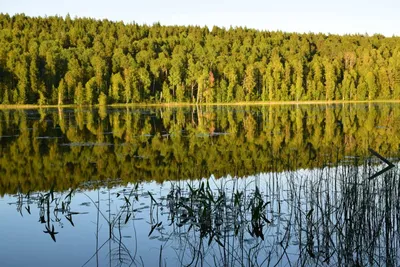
(279, 185)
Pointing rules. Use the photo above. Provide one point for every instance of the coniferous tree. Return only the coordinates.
(224, 65)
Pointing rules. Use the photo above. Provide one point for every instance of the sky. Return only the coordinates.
(334, 16)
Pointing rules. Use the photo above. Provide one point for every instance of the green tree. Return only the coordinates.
(199, 65)
(79, 95)
(249, 83)
(144, 83)
(21, 71)
(330, 81)
(166, 94)
(61, 92)
(117, 87)
(371, 84)
(90, 90)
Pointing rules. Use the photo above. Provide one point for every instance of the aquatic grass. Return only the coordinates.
(333, 216)
(214, 215)
(121, 253)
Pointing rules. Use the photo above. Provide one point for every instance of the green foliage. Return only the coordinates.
(117, 87)
(102, 99)
(79, 98)
(131, 63)
(61, 92)
(166, 94)
(6, 98)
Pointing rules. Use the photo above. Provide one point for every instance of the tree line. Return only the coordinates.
(70, 148)
(83, 61)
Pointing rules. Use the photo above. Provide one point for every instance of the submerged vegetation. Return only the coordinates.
(84, 61)
(64, 148)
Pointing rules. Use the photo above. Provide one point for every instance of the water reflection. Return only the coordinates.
(200, 186)
(333, 216)
(65, 148)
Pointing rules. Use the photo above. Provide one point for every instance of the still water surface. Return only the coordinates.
(200, 186)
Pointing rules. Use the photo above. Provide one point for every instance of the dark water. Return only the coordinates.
(200, 186)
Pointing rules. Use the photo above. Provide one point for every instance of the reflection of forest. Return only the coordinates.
(62, 148)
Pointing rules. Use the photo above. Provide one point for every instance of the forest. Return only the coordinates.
(43, 149)
(83, 61)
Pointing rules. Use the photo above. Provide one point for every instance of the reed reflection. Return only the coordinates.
(329, 216)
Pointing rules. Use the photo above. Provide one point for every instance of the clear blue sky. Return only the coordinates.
(335, 16)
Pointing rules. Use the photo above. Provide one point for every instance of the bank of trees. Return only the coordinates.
(56, 60)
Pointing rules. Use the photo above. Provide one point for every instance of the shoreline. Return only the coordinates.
(185, 104)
